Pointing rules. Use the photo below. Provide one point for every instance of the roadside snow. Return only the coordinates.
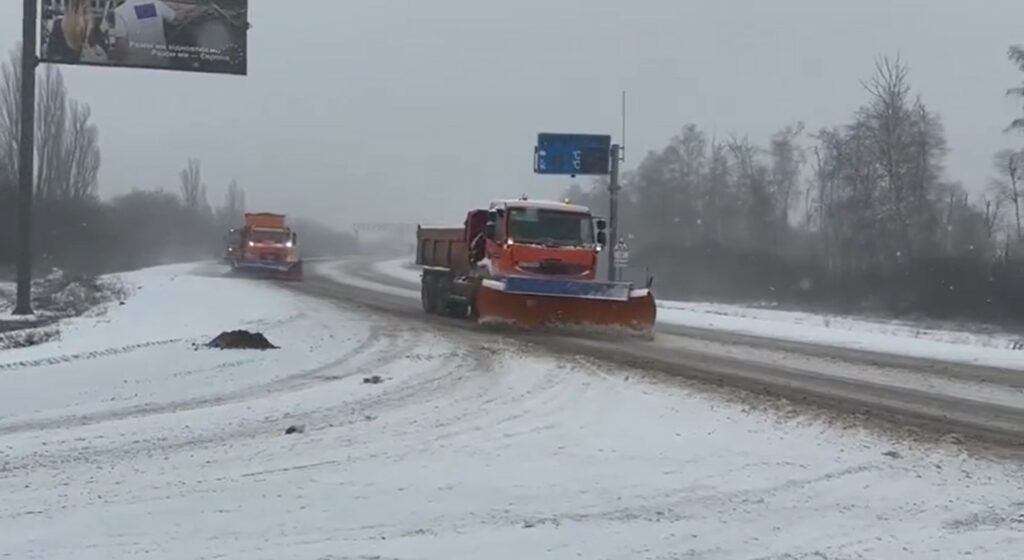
(1004, 350)
(142, 354)
(996, 350)
(471, 446)
(401, 269)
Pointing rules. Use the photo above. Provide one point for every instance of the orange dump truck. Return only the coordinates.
(528, 263)
(265, 245)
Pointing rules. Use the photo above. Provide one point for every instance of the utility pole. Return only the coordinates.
(26, 153)
(613, 212)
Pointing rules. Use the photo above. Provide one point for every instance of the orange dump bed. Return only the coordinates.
(265, 220)
(442, 247)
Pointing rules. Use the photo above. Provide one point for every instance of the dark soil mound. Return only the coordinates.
(241, 340)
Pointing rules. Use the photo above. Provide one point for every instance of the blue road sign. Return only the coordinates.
(572, 154)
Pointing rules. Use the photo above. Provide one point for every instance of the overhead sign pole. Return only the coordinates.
(613, 209)
(26, 153)
(196, 36)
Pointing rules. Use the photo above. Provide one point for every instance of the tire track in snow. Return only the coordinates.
(91, 355)
(125, 349)
(383, 346)
(369, 344)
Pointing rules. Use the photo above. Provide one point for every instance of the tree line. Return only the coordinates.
(855, 217)
(74, 229)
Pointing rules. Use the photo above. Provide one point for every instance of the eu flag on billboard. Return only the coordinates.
(184, 35)
(145, 11)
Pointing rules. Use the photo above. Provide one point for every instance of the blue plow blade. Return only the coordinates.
(266, 265)
(612, 291)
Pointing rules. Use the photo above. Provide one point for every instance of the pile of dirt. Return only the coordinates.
(241, 340)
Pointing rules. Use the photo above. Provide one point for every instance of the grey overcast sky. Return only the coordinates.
(417, 110)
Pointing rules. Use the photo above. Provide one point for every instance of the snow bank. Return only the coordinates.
(890, 337)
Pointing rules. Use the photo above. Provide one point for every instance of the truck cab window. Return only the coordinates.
(550, 227)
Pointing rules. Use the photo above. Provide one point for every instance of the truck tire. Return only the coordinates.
(457, 310)
(441, 305)
(430, 295)
(426, 296)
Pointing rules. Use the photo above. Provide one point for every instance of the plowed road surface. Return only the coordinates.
(966, 400)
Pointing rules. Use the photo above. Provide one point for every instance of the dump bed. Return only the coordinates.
(265, 220)
(443, 247)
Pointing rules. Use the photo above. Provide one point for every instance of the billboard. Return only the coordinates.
(187, 35)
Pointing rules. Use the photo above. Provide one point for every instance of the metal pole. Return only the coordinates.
(613, 213)
(26, 153)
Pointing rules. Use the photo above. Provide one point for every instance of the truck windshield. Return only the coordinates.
(550, 227)
(269, 236)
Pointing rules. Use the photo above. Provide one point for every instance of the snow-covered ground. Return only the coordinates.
(122, 440)
(120, 359)
(891, 337)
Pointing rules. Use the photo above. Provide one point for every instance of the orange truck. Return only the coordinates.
(265, 245)
(527, 263)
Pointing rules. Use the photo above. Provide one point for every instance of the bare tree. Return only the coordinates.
(233, 210)
(1010, 166)
(10, 114)
(887, 119)
(757, 212)
(993, 212)
(235, 198)
(81, 154)
(193, 190)
(1016, 54)
(787, 161)
(52, 165)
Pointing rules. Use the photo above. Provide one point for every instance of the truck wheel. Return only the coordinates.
(457, 310)
(425, 296)
(431, 296)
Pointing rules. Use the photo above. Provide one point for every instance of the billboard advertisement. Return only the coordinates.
(186, 35)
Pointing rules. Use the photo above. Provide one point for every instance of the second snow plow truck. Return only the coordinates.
(530, 264)
(265, 245)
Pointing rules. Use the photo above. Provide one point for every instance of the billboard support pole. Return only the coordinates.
(26, 153)
(613, 211)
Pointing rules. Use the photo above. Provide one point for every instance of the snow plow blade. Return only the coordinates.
(274, 270)
(537, 303)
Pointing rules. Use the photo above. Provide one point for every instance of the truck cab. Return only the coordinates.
(268, 239)
(537, 238)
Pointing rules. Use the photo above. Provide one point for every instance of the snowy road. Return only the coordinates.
(123, 440)
(963, 398)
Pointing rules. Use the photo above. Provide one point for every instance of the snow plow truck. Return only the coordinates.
(531, 264)
(264, 246)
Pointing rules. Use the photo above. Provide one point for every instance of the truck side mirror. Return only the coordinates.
(602, 238)
(491, 229)
(295, 239)
(602, 225)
